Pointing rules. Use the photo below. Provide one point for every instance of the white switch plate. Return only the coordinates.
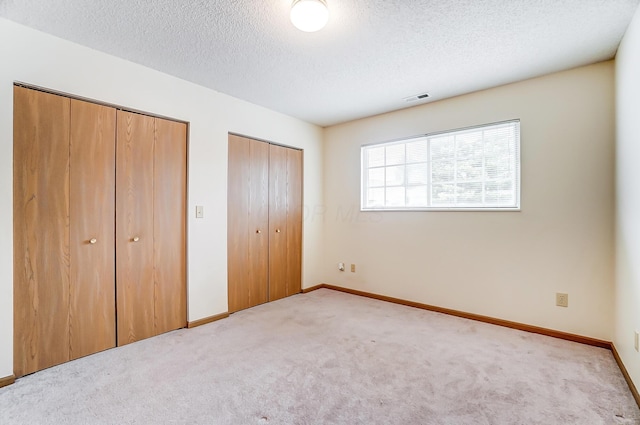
(637, 341)
(199, 211)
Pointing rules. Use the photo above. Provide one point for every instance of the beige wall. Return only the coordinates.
(627, 290)
(501, 264)
(36, 58)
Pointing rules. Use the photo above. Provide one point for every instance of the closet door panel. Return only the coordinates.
(238, 231)
(294, 222)
(259, 219)
(92, 325)
(248, 222)
(134, 227)
(41, 230)
(277, 222)
(170, 193)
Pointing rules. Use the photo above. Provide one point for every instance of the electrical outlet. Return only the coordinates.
(636, 343)
(562, 300)
(353, 268)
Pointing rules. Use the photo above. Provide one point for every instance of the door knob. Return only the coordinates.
(135, 239)
(277, 230)
(93, 240)
(258, 231)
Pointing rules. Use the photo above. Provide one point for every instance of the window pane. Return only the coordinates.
(395, 175)
(375, 156)
(376, 177)
(442, 147)
(469, 144)
(442, 194)
(417, 196)
(417, 151)
(395, 154)
(499, 192)
(417, 174)
(497, 148)
(469, 169)
(469, 193)
(497, 140)
(498, 168)
(395, 197)
(442, 171)
(375, 198)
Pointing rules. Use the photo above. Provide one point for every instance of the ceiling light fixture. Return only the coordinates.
(309, 15)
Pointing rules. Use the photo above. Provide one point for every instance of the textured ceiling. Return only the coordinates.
(371, 55)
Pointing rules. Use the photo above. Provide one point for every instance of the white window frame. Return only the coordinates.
(516, 163)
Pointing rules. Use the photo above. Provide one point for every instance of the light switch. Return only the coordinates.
(199, 211)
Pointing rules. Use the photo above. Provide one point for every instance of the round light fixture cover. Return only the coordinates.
(309, 15)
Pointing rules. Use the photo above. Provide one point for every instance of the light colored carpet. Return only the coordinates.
(331, 358)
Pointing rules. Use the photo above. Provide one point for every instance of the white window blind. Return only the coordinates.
(471, 169)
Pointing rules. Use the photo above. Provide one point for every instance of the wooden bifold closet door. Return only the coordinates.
(80, 236)
(64, 159)
(41, 230)
(169, 225)
(264, 222)
(285, 222)
(91, 228)
(134, 227)
(150, 226)
(248, 223)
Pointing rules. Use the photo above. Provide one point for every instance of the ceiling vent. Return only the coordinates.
(416, 97)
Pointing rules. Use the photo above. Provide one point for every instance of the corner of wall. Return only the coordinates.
(627, 268)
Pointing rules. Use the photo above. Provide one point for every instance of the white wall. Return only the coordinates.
(627, 290)
(507, 265)
(39, 59)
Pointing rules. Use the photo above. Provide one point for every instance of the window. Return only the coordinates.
(470, 169)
